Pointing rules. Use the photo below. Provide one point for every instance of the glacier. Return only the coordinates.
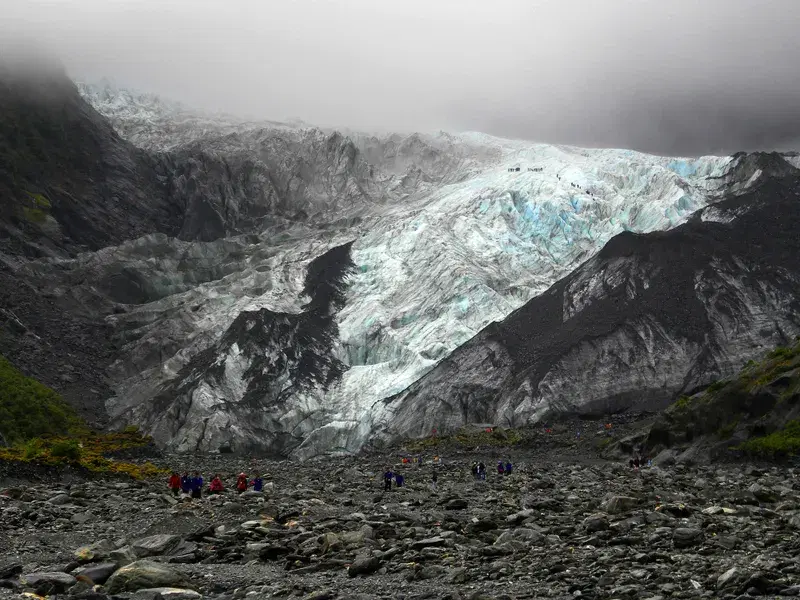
(447, 234)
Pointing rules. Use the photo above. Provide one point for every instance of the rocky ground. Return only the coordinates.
(563, 525)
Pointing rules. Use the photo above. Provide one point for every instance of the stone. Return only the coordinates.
(684, 537)
(9, 570)
(81, 518)
(60, 499)
(48, 583)
(364, 565)
(456, 504)
(428, 543)
(595, 523)
(98, 573)
(155, 545)
(166, 593)
(729, 577)
(618, 504)
(143, 574)
(123, 556)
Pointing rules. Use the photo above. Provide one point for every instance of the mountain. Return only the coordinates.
(651, 316)
(271, 285)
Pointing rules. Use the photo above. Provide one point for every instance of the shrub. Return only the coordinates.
(29, 409)
(67, 449)
(717, 386)
(781, 443)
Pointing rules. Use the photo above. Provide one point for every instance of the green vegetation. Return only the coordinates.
(716, 386)
(726, 431)
(782, 443)
(41, 428)
(37, 209)
(29, 409)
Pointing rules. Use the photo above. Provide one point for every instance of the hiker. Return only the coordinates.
(241, 483)
(630, 463)
(434, 479)
(175, 483)
(500, 468)
(636, 463)
(257, 483)
(387, 479)
(474, 469)
(186, 483)
(399, 480)
(482, 471)
(216, 486)
(197, 485)
(508, 468)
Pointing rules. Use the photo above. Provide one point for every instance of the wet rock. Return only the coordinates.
(364, 565)
(144, 574)
(595, 523)
(166, 593)
(155, 545)
(98, 573)
(47, 583)
(618, 504)
(684, 537)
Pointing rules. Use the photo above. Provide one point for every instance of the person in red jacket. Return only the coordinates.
(241, 483)
(175, 483)
(216, 485)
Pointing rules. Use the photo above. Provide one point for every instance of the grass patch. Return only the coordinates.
(29, 409)
(716, 386)
(785, 442)
(726, 431)
(39, 427)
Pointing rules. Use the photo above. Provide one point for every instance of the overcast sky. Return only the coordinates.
(665, 76)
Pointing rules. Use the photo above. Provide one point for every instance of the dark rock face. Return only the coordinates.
(650, 317)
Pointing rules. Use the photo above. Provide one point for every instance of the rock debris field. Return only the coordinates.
(325, 529)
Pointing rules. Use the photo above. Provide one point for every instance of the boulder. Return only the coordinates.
(48, 583)
(364, 565)
(98, 573)
(595, 523)
(143, 574)
(618, 504)
(456, 504)
(155, 545)
(684, 537)
(166, 593)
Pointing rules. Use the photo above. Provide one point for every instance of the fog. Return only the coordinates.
(678, 77)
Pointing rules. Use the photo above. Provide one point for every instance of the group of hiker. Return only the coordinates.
(192, 485)
(479, 469)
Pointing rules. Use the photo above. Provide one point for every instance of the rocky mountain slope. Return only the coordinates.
(649, 317)
(756, 412)
(188, 316)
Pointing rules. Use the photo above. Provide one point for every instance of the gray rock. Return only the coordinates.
(364, 565)
(456, 504)
(166, 593)
(428, 543)
(155, 545)
(98, 573)
(60, 500)
(47, 583)
(144, 574)
(123, 556)
(618, 504)
(81, 518)
(684, 537)
(595, 523)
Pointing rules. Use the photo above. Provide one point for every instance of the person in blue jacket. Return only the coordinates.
(186, 483)
(257, 483)
(197, 485)
(508, 468)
